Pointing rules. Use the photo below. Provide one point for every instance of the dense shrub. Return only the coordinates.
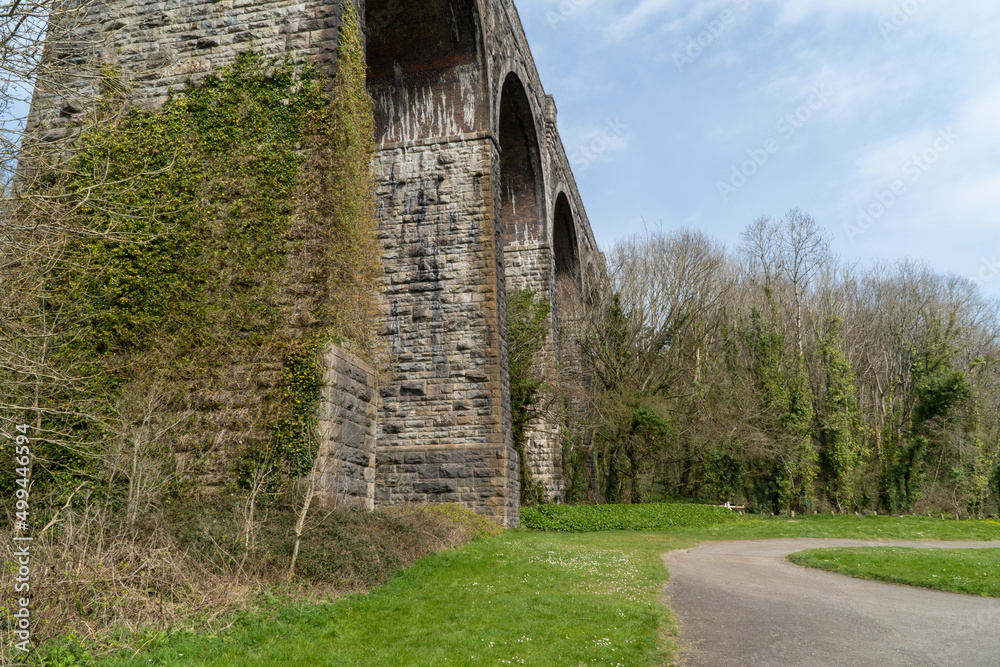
(660, 516)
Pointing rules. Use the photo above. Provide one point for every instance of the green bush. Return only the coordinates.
(588, 518)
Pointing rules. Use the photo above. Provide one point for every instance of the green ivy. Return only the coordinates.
(653, 516)
(527, 329)
(234, 226)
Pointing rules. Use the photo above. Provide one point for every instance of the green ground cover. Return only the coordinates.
(969, 571)
(525, 597)
(847, 526)
(651, 517)
(521, 598)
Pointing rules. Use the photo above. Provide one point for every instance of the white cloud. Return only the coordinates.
(891, 92)
(638, 17)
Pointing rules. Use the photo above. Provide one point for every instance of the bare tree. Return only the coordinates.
(759, 246)
(22, 27)
(804, 251)
(794, 248)
(667, 284)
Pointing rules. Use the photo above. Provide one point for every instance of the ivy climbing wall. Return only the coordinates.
(279, 249)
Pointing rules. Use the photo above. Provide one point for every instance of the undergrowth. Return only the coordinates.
(653, 517)
(108, 589)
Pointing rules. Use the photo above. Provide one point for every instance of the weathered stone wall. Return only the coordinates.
(445, 421)
(454, 240)
(347, 429)
(533, 256)
(470, 170)
(159, 44)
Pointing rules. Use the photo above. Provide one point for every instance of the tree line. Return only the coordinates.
(780, 377)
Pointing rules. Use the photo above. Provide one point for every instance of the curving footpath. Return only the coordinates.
(742, 603)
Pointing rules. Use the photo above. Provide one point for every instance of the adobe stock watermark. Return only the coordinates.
(988, 270)
(786, 127)
(913, 169)
(566, 10)
(21, 622)
(901, 15)
(613, 130)
(714, 28)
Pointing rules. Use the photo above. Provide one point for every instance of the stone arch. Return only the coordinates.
(426, 69)
(522, 190)
(565, 251)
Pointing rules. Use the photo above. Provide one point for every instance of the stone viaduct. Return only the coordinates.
(475, 197)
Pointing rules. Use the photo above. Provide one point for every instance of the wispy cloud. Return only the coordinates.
(900, 72)
(624, 26)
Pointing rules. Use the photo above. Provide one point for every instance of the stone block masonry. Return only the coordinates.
(449, 397)
(347, 426)
(475, 196)
(160, 44)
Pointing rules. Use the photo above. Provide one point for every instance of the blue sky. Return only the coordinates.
(880, 118)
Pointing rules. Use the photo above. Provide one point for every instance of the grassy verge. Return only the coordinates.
(969, 571)
(651, 517)
(847, 527)
(522, 598)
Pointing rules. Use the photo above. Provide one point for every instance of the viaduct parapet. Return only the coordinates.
(475, 197)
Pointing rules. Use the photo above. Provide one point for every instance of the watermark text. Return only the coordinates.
(913, 170)
(786, 127)
(612, 132)
(901, 15)
(22, 541)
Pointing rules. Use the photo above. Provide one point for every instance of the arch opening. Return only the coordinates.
(564, 251)
(424, 68)
(521, 187)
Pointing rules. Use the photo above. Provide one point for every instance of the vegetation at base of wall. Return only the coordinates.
(968, 571)
(169, 284)
(192, 570)
(344, 549)
(527, 330)
(648, 517)
(784, 380)
(535, 598)
(542, 597)
(477, 524)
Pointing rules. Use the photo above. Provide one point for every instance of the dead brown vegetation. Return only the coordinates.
(110, 585)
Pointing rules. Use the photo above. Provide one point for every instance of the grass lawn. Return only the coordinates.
(970, 571)
(848, 527)
(522, 598)
(526, 597)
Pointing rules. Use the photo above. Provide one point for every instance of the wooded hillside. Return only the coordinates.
(779, 376)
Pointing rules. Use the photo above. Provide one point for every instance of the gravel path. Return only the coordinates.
(742, 603)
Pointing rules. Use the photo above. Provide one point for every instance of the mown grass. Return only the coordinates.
(846, 526)
(524, 597)
(969, 571)
(521, 598)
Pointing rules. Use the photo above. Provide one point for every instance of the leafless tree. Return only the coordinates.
(668, 284)
(711, 341)
(794, 248)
